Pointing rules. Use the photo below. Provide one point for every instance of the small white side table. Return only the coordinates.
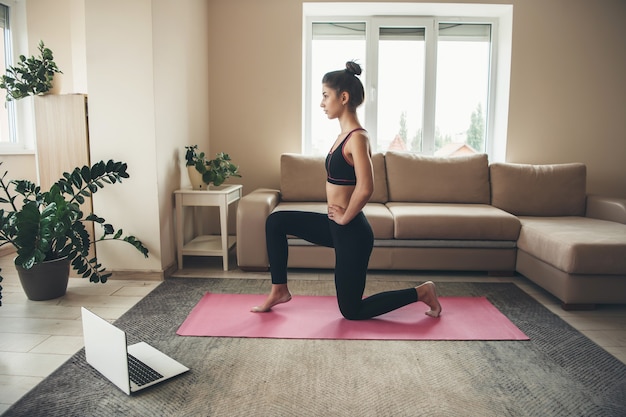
(206, 245)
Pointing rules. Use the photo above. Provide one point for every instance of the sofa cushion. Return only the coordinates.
(453, 221)
(381, 220)
(377, 214)
(576, 245)
(303, 178)
(381, 193)
(539, 190)
(425, 179)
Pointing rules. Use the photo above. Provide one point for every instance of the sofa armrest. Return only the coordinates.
(252, 211)
(606, 208)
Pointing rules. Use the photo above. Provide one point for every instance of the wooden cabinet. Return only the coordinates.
(62, 135)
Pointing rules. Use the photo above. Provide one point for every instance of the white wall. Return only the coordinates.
(148, 95)
(43, 17)
(122, 123)
(181, 101)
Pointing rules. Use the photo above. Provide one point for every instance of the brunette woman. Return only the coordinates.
(349, 185)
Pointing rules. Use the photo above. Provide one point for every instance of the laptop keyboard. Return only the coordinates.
(140, 373)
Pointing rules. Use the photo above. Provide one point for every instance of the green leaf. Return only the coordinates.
(77, 180)
(85, 172)
(94, 218)
(98, 169)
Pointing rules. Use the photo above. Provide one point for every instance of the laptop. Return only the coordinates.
(131, 368)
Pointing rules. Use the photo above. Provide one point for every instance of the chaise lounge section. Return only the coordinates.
(571, 244)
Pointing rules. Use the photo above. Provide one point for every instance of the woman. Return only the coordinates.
(350, 183)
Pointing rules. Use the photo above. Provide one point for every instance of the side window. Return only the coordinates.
(7, 113)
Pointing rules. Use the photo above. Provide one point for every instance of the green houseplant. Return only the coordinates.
(50, 225)
(31, 76)
(213, 171)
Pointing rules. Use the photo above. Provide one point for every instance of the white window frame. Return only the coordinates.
(23, 130)
(377, 14)
(371, 112)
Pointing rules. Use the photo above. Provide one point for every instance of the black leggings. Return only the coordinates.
(353, 245)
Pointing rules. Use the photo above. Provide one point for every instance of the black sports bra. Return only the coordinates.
(338, 170)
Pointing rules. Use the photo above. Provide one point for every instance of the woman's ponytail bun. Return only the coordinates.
(353, 68)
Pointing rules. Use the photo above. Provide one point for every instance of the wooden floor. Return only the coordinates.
(38, 336)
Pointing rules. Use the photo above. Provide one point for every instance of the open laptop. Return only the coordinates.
(132, 368)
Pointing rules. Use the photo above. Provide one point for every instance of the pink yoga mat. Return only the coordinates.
(318, 317)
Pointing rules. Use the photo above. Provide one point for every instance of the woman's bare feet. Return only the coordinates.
(278, 295)
(428, 294)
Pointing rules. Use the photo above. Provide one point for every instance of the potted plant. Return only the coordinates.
(209, 171)
(31, 76)
(48, 227)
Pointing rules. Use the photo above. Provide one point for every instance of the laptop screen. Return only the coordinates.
(105, 349)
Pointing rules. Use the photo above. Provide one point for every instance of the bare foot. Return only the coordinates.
(279, 294)
(428, 294)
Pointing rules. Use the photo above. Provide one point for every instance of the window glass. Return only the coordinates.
(463, 58)
(332, 45)
(400, 89)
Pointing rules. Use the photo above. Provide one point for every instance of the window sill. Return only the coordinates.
(15, 150)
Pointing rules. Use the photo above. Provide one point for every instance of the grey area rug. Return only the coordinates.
(559, 372)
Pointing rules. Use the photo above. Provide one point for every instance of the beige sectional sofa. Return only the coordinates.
(462, 214)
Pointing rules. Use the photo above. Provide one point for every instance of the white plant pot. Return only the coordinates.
(196, 179)
(57, 83)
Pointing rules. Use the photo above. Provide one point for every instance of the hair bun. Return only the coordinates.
(353, 68)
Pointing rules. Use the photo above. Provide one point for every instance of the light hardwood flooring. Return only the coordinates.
(36, 337)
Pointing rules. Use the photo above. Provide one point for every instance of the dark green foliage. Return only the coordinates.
(31, 76)
(50, 225)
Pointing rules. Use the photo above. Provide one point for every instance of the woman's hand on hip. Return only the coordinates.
(336, 213)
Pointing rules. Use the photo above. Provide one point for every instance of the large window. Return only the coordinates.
(429, 82)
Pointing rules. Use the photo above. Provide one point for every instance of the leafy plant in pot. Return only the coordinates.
(209, 171)
(31, 76)
(49, 227)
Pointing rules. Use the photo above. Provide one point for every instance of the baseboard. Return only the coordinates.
(169, 271)
(578, 307)
(144, 275)
(138, 275)
(501, 273)
(254, 268)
